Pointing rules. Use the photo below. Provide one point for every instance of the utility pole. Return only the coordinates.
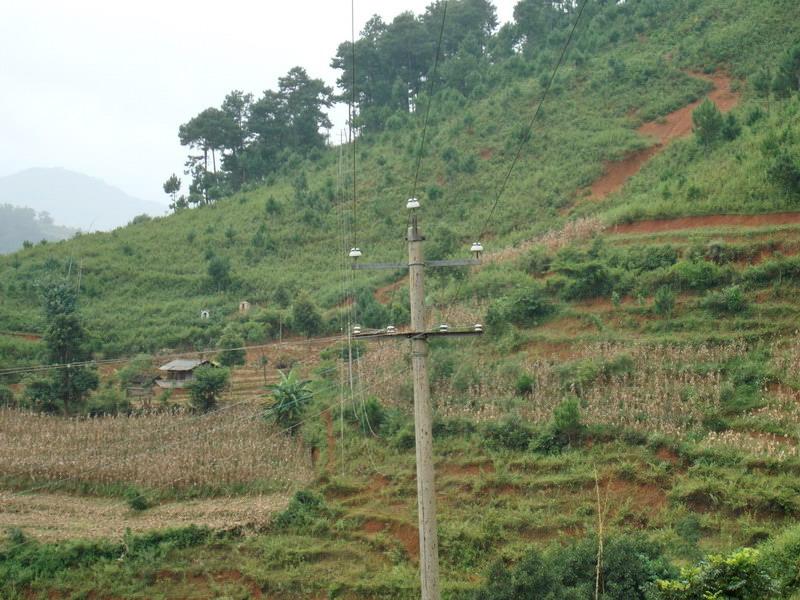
(423, 411)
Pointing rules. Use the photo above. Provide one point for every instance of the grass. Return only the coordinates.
(692, 421)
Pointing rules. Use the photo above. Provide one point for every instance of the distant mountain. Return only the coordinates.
(74, 199)
(19, 225)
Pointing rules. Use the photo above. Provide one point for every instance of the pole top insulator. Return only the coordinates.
(355, 253)
(444, 328)
(477, 327)
(356, 329)
(412, 203)
(476, 247)
(391, 329)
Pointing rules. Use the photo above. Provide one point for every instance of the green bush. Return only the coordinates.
(6, 396)
(739, 576)
(524, 384)
(136, 500)
(307, 513)
(209, 383)
(664, 301)
(730, 300)
(781, 558)
(370, 415)
(707, 122)
(576, 376)
(591, 279)
(526, 307)
(564, 430)
(631, 565)
(231, 349)
(509, 433)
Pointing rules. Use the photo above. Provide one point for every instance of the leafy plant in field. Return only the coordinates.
(708, 122)
(737, 576)
(629, 569)
(232, 350)
(664, 301)
(290, 396)
(207, 386)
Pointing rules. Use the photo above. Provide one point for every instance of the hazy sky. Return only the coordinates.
(100, 87)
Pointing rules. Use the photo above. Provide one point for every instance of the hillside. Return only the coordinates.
(74, 199)
(637, 383)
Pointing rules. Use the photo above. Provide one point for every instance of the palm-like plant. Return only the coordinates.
(291, 396)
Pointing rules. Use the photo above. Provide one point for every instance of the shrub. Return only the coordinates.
(730, 300)
(208, 384)
(524, 385)
(370, 415)
(780, 558)
(291, 396)
(509, 433)
(136, 500)
(537, 261)
(781, 154)
(564, 429)
(707, 122)
(306, 513)
(575, 376)
(591, 279)
(664, 301)
(232, 350)
(6, 396)
(631, 565)
(738, 575)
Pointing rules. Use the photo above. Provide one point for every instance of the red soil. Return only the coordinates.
(404, 533)
(471, 470)
(675, 125)
(707, 221)
(236, 577)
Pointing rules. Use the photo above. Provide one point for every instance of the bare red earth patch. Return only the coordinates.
(707, 221)
(675, 125)
(403, 532)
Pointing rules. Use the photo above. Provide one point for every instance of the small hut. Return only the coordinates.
(179, 373)
(244, 307)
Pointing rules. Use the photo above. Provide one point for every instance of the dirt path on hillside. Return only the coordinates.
(707, 221)
(675, 125)
(61, 516)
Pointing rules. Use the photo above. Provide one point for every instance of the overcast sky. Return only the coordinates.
(100, 87)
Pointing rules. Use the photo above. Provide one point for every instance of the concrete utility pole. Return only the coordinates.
(423, 411)
(423, 421)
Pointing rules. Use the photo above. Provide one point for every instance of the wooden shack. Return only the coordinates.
(179, 373)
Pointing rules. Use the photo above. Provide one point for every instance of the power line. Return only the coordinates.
(529, 128)
(523, 141)
(94, 362)
(431, 83)
(353, 112)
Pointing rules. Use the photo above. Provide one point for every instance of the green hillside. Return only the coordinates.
(638, 378)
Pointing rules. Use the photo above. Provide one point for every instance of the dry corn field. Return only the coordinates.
(156, 451)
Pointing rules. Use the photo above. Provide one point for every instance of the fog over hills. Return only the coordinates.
(74, 199)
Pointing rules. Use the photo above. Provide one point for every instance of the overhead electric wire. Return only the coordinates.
(95, 362)
(523, 141)
(528, 130)
(426, 120)
(353, 112)
(431, 83)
